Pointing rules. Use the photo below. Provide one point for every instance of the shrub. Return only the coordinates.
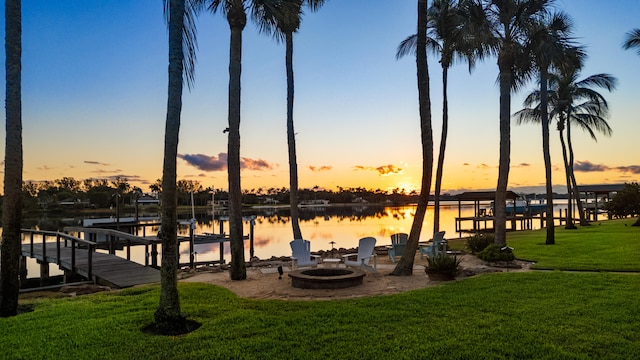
(493, 253)
(443, 263)
(479, 242)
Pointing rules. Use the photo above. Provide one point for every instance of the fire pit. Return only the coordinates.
(326, 278)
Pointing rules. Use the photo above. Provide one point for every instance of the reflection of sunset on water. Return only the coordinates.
(342, 225)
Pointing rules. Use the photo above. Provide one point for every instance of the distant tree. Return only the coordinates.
(10, 248)
(156, 187)
(632, 40)
(69, 184)
(626, 202)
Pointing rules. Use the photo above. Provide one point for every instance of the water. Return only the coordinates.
(325, 227)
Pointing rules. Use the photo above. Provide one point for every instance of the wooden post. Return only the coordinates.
(44, 272)
(251, 224)
(191, 240)
(23, 269)
(154, 255)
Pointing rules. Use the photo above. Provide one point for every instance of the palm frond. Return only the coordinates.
(189, 37)
(632, 40)
(407, 46)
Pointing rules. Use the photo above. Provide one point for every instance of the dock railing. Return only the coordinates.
(115, 237)
(60, 237)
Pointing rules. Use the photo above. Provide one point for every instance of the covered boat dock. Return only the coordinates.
(483, 220)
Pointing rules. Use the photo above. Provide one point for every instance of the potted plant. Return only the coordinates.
(442, 267)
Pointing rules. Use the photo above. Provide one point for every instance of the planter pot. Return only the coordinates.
(441, 276)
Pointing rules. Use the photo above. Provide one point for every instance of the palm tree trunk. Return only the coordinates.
(404, 266)
(12, 202)
(168, 317)
(500, 204)
(443, 146)
(576, 193)
(569, 222)
(237, 20)
(550, 240)
(291, 141)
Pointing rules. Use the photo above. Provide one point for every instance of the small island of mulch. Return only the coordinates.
(263, 281)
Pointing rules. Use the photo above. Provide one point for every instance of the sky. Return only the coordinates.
(94, 94)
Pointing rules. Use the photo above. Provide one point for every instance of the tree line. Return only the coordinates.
(103, 193)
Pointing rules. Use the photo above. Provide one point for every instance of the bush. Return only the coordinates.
(479, 242)
(493, 253)
(443, 263)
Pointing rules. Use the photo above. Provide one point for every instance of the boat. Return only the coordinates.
(522, 207)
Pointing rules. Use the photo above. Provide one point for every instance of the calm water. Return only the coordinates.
(340, 227)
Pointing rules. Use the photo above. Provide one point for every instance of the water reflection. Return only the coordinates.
(340, 227)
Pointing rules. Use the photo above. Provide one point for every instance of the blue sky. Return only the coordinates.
(94, 99)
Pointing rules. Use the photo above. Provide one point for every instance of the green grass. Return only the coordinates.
(603, 246)
(547, 314)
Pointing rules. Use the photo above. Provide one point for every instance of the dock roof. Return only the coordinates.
(600, 189)
(483, 195)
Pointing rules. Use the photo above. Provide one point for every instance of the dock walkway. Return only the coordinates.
(107, 269)
(82, 259)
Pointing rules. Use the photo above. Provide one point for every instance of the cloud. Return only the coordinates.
(90, 162)
(100, 171)
(219, 163)
(382, 170)
(586, 166)
(634, 169)
(484, 166)
(257, 164)
(321, 168)
(523, 165)
(43, 167)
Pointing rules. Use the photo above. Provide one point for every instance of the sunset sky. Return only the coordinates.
(94, 92)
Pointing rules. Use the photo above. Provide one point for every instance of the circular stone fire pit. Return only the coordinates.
(326, 278)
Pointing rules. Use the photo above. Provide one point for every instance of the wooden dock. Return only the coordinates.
(79, 257)
(106, 269)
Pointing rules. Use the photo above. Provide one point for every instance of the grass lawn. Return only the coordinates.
(603, 246)
(540, 314)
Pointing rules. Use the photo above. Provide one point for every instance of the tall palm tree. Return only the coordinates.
(509, 22)
(168, 317)
(405, 264)
(286, 26)
(449, 35)
(265, 14)
(588, 109)
(632, 40)
(12, 202)
(572, 101)
(550, 45)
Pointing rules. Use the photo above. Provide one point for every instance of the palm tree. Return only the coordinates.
(572, 100)
(405, 264)
(508, 23)
(264, 13)
(448, 35)
(12, 202)
(583, 105)
(632, 40)
(549, 44)
(168, 317)
(286, 27)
